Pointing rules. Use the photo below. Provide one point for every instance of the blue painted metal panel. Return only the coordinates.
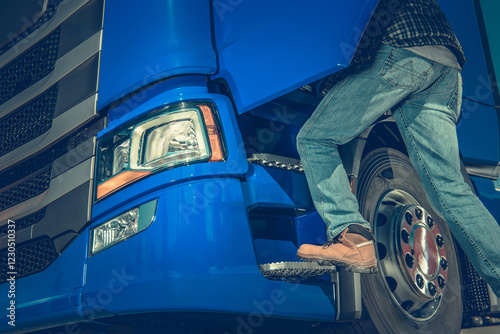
(276, 187)
(142, 44)
(268, 48)
(51, 297)
(269, 250)
(478, 132)
(311, 229)
(178, 86)
(235, 164)
(203, 261)
(262, 188)
(277, 237)
(201, 216)
(489, 195)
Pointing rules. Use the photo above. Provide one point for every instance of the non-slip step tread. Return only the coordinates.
(297, 269)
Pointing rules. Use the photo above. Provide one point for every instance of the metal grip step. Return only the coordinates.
(300, 270)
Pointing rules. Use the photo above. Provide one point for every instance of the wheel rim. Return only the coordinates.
(411, 254)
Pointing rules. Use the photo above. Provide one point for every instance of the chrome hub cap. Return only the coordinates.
(421, 252)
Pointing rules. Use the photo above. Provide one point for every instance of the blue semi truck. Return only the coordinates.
(149, 177)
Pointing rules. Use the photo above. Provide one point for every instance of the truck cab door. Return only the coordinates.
(266, 49)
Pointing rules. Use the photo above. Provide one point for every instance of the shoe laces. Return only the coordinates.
(335, 240)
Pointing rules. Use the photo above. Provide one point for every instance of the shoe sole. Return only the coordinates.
(347, 266)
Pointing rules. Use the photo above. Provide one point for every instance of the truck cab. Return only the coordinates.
(149, 177)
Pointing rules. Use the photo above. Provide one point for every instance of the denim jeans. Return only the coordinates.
(425, 98)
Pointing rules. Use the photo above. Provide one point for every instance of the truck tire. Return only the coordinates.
(417, 288)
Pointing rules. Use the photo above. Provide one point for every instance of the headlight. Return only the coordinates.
(169, 139)
(122, 227)
(172, 136)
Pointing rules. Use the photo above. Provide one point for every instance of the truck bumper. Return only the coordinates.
(197, 256)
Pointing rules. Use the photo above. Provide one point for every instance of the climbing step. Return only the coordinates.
(300, 270)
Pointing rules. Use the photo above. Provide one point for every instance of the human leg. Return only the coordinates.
(427, 121)
(350, 107)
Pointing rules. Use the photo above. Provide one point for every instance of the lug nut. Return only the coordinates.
(430, 222)
(441, 281)
(418, 213)
(405, 236)
(477, 321)
(409, 218)
(410, 261)
(444, 263)
(440, 241)
(420, 281)
(432, 288)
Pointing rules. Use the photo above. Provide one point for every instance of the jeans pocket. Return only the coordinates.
(404, 69)
(455, 101)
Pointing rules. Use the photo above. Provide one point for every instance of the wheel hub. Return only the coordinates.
(421, 252)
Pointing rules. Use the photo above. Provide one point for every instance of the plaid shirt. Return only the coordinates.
(408, 23)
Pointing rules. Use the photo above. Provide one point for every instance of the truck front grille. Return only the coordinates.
(48, 127)
(51, 10)
(28, 122)
(25, 190)
(30, 258)
(29, 68)
(27, 221)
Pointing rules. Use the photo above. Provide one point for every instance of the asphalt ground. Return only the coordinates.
(482, 330)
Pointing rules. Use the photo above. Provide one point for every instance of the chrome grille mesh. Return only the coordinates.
(30, 258)
(28, 122)
(25, 190)
(29, 68)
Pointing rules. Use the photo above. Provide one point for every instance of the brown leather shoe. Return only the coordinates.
(353, 249)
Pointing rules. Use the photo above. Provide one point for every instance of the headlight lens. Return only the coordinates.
(120, 156)
(122, 227)
(115, 230)
(169, 139)
(170, 142)
(172, 136)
